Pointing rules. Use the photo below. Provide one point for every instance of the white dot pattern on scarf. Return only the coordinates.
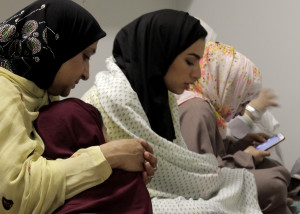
(185, 182)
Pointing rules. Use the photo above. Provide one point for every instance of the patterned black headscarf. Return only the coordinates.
(37, 40)
(144, 50)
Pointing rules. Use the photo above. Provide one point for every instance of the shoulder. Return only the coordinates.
(9, 91)
(198, 111)
(196, 106)
(5, 82)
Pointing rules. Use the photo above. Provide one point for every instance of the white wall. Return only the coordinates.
(268, 33)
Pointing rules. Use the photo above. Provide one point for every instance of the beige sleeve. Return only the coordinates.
(84, 169)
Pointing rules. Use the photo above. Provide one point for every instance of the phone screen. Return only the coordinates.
(269, 143)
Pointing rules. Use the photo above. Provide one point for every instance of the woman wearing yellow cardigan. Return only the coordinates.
(44, 51)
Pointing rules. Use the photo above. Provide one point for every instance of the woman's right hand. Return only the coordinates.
(258, 155)
(125, 154)
(264, 100)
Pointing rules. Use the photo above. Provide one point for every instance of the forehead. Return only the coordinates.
(196, 48)
(92, 47)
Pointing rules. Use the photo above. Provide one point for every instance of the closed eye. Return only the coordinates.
(189, 63)
(85, 57)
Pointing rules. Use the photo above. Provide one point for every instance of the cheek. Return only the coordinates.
(185, 71)
(241, 110)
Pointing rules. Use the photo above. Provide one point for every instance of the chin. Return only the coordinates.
(176, 91)
(179, 92)
(65, 93)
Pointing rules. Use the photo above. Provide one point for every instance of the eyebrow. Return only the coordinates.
(92, 50)
(195, 55)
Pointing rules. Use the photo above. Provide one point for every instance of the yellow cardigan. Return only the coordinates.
(28, 182)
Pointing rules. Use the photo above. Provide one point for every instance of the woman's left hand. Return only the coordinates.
(150, 164)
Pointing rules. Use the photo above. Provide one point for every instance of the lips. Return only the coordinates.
(75, 83)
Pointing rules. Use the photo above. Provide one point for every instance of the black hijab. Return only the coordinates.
(144, 50)
(37, 40)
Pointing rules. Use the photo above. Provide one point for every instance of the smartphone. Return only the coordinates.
(272, 141)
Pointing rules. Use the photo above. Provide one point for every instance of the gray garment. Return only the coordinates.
(200, 132)
(295, 182)
(296, 168)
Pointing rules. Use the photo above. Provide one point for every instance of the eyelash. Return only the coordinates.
(85, 57)
(189, 63)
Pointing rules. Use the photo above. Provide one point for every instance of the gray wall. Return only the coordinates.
(266, 31)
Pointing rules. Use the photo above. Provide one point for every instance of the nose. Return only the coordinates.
(196, 73)
(85, 74)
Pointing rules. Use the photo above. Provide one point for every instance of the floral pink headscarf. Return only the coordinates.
(228, 79)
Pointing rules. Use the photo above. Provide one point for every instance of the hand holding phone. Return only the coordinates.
(272, 141)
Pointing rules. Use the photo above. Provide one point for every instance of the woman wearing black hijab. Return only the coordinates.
(44, 51)
(154, 57)
(144, 58)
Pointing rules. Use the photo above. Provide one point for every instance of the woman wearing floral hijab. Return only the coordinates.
(44, 51)
(155, 56)
(228, 82)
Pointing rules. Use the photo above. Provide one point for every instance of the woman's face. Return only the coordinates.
(185, 68)
(72, 71)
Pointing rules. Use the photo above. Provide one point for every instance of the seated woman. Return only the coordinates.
(79, 126)
(155, 56)
(240, 126)
(229, 82)
(42, 57)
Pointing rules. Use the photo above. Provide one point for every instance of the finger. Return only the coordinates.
(145, 177)
(266, 153)
(271, 95)
(149, 169)
(274, 104)
(264, 137)
(258, 138)
(150, 158)
(146, 146)
(256, 143)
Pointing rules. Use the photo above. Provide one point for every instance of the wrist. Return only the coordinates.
(253, 113)
(107, 152)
